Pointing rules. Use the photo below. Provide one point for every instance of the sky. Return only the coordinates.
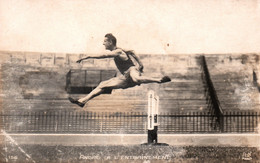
(146, 26)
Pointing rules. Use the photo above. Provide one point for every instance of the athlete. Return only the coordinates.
(128, 64)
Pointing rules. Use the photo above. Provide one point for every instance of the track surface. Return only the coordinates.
(137, 153)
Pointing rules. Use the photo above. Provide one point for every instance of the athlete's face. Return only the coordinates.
(107, 43)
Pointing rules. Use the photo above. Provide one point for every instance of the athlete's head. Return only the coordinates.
(109, 41)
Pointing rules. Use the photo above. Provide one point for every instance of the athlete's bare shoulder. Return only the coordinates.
(112, 53)
(120, 52)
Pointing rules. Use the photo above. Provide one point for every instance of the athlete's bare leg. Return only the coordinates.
(119, 82)
(113, 83)
(138, 78)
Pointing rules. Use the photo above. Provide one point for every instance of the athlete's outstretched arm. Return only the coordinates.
(107, 54)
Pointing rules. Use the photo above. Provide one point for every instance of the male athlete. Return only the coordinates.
(128, 64)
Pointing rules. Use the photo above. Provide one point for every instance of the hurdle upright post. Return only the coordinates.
(153, 121)
(150, 114)
(156, 115)
(153, 104)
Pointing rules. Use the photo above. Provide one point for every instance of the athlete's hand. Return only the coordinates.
(78, 61)
(141, 68)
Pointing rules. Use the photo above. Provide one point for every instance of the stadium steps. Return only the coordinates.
(233, 85)
(44, 89)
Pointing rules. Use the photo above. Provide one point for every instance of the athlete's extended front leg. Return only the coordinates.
(96, 92)
(113, 83)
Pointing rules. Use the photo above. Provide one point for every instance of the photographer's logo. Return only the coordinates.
(247, 156)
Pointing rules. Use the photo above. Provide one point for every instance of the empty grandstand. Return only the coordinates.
(208, 94)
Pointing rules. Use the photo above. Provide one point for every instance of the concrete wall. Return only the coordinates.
(69, 60)
(234, 78)
(37, 81)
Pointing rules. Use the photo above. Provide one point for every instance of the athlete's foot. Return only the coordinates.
(165, 79)
(76, 102)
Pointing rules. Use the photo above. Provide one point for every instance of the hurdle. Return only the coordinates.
(153, 119)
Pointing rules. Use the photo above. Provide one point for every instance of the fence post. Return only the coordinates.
(221, 122)
(257, 117)
(101, 122)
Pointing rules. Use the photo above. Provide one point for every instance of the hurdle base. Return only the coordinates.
(155, 144)
(152, 138)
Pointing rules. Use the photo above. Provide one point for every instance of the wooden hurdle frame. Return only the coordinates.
(153, 118)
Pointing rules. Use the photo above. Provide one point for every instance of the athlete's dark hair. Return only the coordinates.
(111, 38)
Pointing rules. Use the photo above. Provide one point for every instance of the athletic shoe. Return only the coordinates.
(76, 102)
(165, 79)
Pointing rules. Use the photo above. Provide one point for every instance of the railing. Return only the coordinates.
(124, 122)
(74, 122)
(211, 96)
(241, 122)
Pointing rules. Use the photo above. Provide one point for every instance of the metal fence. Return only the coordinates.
(124, 122)
(241, 122)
